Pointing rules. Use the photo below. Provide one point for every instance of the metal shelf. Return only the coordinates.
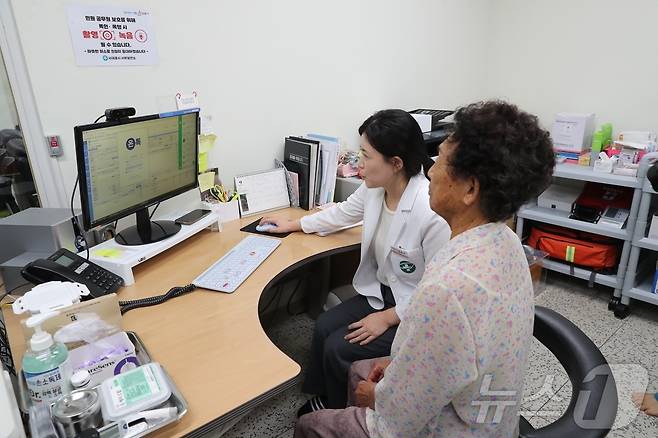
(643, 292)
(585, 274)
(647, 243)
(587, 173)
(561, 218)
(646, 187)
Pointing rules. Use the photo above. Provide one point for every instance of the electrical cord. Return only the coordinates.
(153, 212)
(127, 306)
(78, 230)
(2, 297)
(5, 351)
(99, 117)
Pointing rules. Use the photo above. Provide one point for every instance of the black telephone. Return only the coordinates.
(64, 265)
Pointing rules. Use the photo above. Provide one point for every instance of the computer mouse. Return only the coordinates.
(264, 228)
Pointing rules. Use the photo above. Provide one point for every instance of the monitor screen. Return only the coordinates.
(128, 165)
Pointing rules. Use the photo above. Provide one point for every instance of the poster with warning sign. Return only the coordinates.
(112, 36)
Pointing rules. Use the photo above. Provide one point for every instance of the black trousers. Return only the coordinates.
(332, 355)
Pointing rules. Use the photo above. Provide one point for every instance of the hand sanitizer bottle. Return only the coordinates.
(45, 364)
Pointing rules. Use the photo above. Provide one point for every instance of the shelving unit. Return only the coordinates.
(638, 282)
(554, 217)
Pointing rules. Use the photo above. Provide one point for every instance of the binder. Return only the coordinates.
(301, 156)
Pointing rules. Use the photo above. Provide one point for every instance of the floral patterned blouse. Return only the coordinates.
(460, 352)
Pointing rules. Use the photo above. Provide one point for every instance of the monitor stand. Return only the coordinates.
(146, 231)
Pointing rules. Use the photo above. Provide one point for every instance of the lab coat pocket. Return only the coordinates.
(408, 264)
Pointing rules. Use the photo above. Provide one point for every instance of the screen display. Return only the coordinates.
(128, 165)
(64, 261)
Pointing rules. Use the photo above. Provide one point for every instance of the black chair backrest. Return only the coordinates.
(593, 407)
(16, 148)
(8, 134)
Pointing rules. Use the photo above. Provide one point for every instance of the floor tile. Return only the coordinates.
(543, 378)
(629, 421)
(635, 342)
(273, 418)
(578, 305)
(288, 433)
(538, 422)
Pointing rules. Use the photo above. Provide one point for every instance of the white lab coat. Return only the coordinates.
(415, 235)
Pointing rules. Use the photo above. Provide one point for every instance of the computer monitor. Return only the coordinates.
(125, 166)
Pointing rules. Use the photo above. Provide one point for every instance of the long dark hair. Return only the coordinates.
(394, 133)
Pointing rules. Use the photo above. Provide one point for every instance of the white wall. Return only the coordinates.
(265, 69)
(579, 56)
(8, 116)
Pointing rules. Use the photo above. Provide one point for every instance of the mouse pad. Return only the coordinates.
(251, 228)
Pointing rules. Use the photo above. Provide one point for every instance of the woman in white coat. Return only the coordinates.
(400, 236)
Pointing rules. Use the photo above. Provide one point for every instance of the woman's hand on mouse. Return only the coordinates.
(281, 225)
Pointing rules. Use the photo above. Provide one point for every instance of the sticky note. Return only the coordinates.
(206, 181)
(108, 253)
(203, 162)
(206, 142)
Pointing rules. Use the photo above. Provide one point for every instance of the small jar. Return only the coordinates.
(80, 379)
(77, 411)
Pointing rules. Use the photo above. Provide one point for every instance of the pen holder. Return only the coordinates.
(227, 211)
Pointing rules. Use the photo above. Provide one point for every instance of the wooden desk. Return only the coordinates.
(212, 344)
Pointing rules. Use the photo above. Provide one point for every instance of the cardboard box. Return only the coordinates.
(572, 132)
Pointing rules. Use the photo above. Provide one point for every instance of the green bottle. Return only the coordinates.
(45, 364)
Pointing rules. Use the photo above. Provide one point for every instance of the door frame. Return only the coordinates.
(45, 169)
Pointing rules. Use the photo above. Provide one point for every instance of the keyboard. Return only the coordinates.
(228, 273)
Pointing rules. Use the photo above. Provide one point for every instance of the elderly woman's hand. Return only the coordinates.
(365, 394)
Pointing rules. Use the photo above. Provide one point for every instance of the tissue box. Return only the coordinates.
(105, 358)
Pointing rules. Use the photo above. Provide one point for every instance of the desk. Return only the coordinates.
(212, 344)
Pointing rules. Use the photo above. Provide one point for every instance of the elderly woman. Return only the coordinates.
(457, 361)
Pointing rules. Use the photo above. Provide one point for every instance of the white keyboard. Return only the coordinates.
(227, 273)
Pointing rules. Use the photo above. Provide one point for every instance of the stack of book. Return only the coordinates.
(311, 162)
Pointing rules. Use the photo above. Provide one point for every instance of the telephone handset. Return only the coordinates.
(64, 265)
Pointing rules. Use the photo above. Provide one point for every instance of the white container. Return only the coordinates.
(134, 391)
(559, 197)
(227, 211)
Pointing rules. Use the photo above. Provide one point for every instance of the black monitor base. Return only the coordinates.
(146, 231)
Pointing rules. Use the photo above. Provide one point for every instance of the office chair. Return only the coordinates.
(7, 201)
(593, 405)
(22, 180)
(8, 134)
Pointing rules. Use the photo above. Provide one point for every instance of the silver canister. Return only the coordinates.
(76, 412)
